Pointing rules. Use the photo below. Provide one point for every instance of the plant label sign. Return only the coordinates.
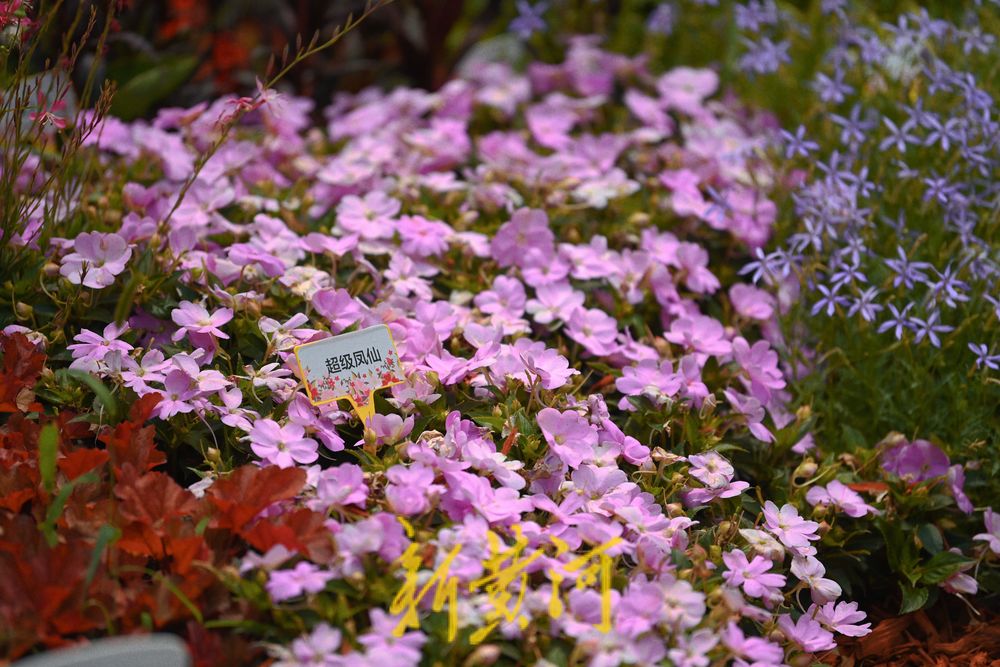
(352, 366)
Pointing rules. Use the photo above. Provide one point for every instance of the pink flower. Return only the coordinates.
(195, 318)
(91, 347)
(569, 435)
(811, 571)
(339, 308)
(283, 446)
(527, 228)
(97, 260)
(710, 469)
(752, 411)
(507, 297)
(408, 488)
(422, 237)
(370, 217)
(654, 380)
(699, 333)
(554, 301)
(788, 526)
(342, 485)
(760, 363)
(303, 578)
(390, 429)
(807, 633)
(840, 496)
(842, 617)
(684, 88)
(757, 650)
(751, 302)
(317, 647)
(594, 329)
(992, 535)
(693, 261)
(753, 575)
(689, 374)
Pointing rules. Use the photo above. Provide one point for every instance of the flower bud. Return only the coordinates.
(484, 655)
(708, 406)
(23, 310)
(674, 509)
(804, 471)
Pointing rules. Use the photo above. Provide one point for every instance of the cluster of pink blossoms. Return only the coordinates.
(485, 224)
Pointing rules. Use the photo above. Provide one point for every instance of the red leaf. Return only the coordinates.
(22, 365)
(131, 445)
(154, 498)
(82, 461)
(249, 489)
(265, 535)
(870, 487)
(184, 550)
(142, 410)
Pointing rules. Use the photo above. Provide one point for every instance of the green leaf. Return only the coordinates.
(942, 566)
(104, 395)
(930, 537)
(138, 94)
(48, 450)
(914, 598)
(48, 527)
(108, 534)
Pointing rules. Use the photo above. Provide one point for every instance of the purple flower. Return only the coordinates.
(992, 535)
(195, 318)
(283, 446)
(765, 56)
(983, 356)
(97, 260)
(753, 575)
(661, 20)
(788, 526)
(956, 483)
(569, 435)
(529, 18)
(303, 578)
(898, 322)
(807, 633)
(916, 461)
(929, 328)
(842, 497)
